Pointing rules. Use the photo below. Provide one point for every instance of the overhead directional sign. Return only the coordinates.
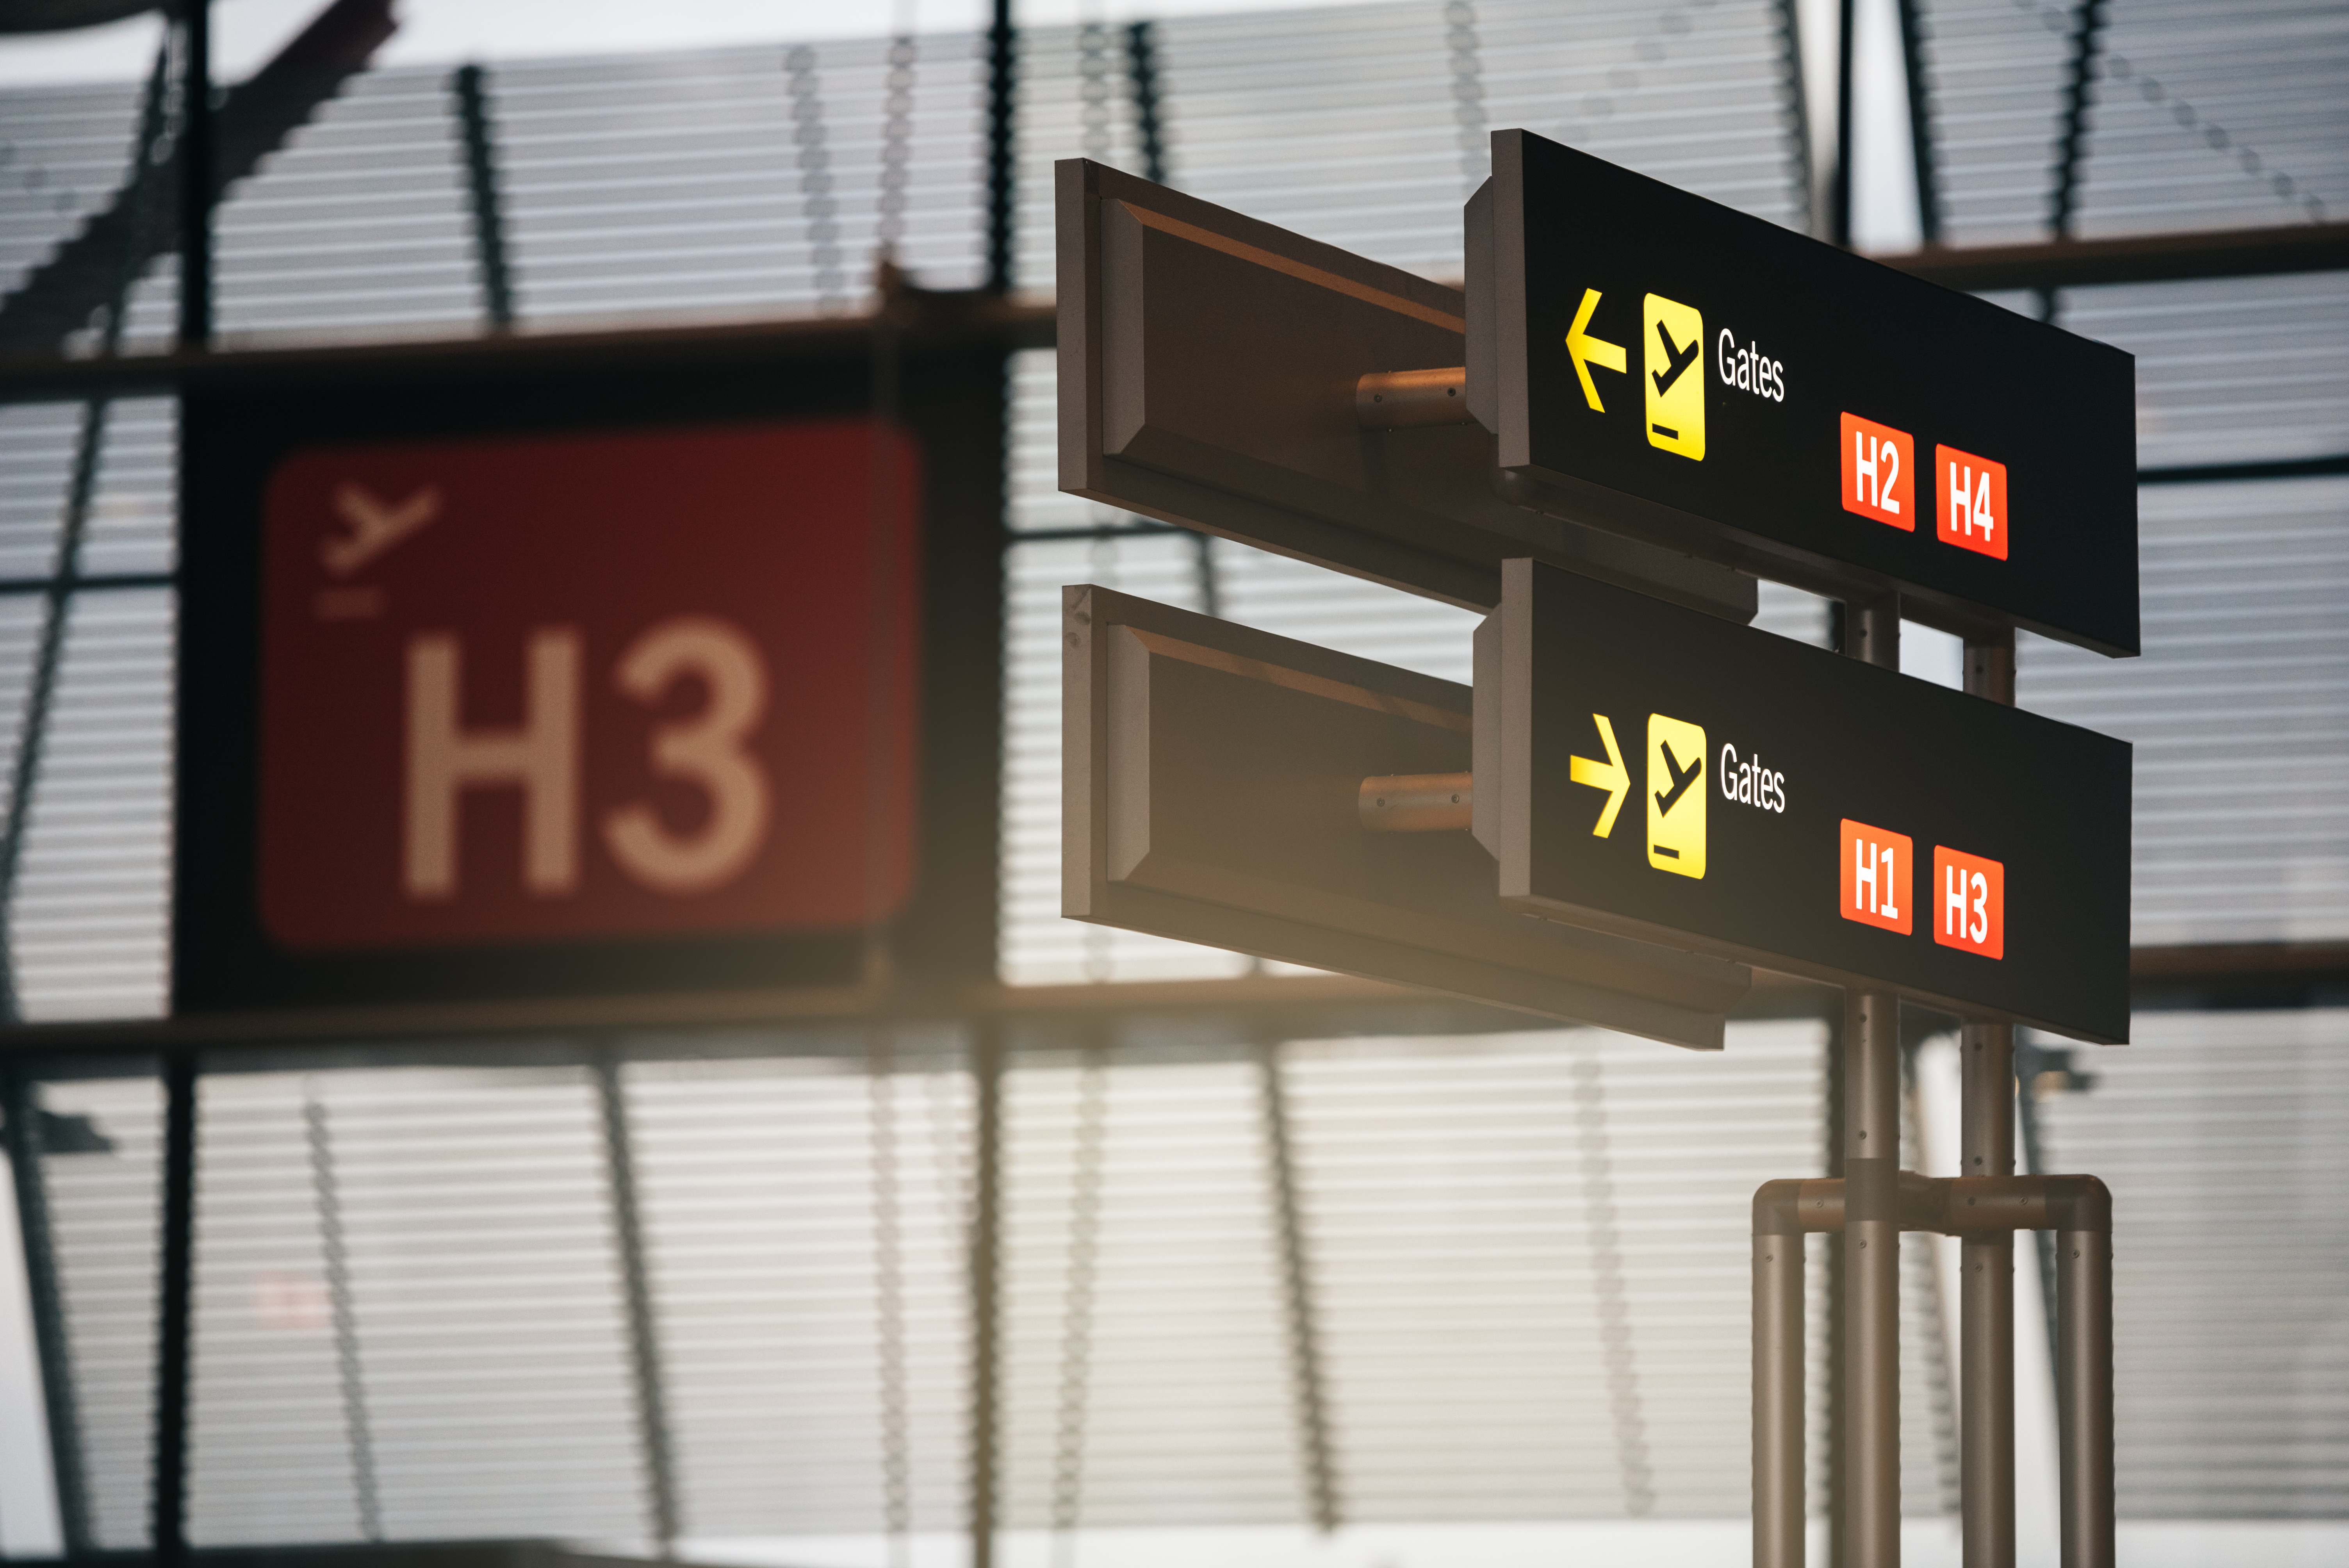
(1660, 363)
(1208, 365)
(1666, 775)
(587, 674)
(1211, 779)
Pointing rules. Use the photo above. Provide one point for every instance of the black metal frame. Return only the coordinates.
(1225, 1018)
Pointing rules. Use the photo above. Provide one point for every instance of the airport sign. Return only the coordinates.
(1656, 363)
(1666, 775)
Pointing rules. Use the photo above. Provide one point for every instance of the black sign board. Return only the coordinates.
(1662, 365)
(1208, 364)
(1212, 777)
(1665, 774)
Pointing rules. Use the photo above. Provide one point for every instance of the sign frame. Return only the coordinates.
(1211, 782)
(234, 430)
(1564, 293)
(1208, 363)
(2048, 801)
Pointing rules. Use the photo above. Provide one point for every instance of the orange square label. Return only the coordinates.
(1879, 473)
(1876, 877)
(1973, 500)
(1969, 902)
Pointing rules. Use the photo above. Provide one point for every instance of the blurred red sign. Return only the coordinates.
(594, 686)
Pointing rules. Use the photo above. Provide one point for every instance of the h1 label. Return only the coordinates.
(1876, 876)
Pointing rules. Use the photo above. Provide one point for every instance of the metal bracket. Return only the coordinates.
(2078, 1209)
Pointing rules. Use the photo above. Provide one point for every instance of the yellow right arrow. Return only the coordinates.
(1610, 775)
(1594, 351)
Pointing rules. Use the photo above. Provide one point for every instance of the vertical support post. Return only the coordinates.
(196, 160)
(1871, 1170)
(334, 1253)
(889, 1298)
(175, 1323)
(2063, 198)
(1920, 123)
(1797, 104)
(1141, 79)
(1839, 176)
(481, 189)
(1780, 1525)
(986, 1232)
(644, 1334)
(23, 1111)
(1001, 84)
(1986, 1258)
(1872, 1232)
(2084, 1381)
(1297, 1282)
(1838, 1329)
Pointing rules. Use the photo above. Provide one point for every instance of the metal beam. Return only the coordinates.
(254, 119)
(978, 316)
(2133, 259)
(931, 319)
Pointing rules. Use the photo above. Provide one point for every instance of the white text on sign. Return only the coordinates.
(1972, 898)
(1973, 501)
(541, 758)
(1876, 864)
(1879, 471)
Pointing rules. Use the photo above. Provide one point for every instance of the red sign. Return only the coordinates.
(598, 685)
(1973, 501)
(1879, 471)
(1970, 891)
(1874, 880)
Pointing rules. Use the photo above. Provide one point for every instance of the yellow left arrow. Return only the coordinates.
(1610, 775)
(1587, 351)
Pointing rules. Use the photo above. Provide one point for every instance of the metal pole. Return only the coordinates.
(1142, 77)
(333, 1252)
(1871, 1168)
(644, 1329)
(986, 1199)
(481, 186)
(1986, 1258)
(1839, 177)
(1872, 1278)
(1779, 1521)
(2084, 1380)
(1920, 124)
(1296, 1288)
(196, 176)
(23, 1111)
(1836, 1472)
(1001, 87)
(174, 1325)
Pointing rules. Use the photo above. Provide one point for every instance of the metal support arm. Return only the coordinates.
(2079, 1208)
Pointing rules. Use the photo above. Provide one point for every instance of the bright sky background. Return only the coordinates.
(246, 33)
(432, 32)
